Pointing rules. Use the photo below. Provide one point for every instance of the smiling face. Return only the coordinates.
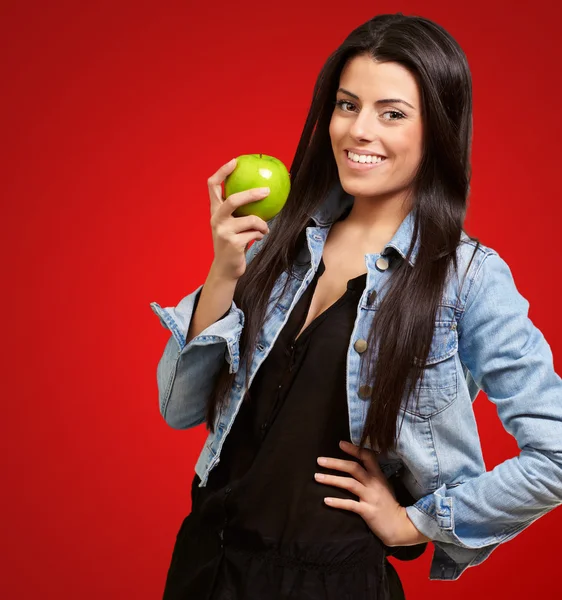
(365, 119)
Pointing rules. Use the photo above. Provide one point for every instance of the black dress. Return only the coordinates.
(260, 528)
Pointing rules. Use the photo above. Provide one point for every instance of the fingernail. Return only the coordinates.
(319, 476)
(322, 460)
(264, 190)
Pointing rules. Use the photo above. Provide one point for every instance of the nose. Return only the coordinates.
(364, 127)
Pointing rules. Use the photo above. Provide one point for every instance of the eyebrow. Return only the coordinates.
(382, 101)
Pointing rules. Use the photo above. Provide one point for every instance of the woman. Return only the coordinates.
(305, 364)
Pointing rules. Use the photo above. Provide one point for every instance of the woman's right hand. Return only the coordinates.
(231, 234)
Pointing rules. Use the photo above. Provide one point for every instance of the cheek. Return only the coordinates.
(335, 136)
(415, 142)
(333, 130)
(409, 148)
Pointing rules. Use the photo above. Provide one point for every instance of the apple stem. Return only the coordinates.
(261, 155)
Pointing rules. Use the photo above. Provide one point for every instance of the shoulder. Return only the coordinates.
(477, 264)
(472, 253)
(488, 279)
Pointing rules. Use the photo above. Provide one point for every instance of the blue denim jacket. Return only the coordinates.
(483, 340)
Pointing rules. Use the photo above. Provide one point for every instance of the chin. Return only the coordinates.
(358, 188)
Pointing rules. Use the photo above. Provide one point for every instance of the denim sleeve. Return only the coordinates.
(510, 360)
(186, 373)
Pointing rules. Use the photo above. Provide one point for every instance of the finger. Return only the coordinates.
(347, 466)
(347, 483)
(215, 182)
(350, 505)
(246, 237)
(238, 199)
(368, 457)
(249, 223)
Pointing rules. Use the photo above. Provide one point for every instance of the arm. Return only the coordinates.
(510, 360)
(212, 304)
(188, 368)
(410, 543)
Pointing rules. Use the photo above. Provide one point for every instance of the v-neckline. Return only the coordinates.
(349, 288)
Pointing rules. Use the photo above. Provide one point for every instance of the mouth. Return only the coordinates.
(362, 162)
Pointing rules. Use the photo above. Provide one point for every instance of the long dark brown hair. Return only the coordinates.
(405, 320)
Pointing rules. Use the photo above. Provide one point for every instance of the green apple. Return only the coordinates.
(255, 171)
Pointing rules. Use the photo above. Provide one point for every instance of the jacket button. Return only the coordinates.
(360, 346)
(364, 392)
(372, 297)
(381, 264)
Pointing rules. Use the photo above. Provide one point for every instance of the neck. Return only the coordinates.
(376, 219)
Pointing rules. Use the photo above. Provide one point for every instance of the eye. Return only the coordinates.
(340, 103)
(397, 114)
(394, 112)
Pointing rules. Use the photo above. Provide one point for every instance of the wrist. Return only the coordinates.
(409, 534)
(218, 277)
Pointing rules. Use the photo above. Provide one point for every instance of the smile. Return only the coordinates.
(363, 166)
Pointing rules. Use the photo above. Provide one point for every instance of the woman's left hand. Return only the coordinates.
(377, 504)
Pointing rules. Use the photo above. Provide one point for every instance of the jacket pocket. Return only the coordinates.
(438, 387)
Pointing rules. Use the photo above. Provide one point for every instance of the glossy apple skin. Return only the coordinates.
(255, 171)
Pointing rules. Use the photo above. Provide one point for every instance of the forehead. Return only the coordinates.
(371, 80)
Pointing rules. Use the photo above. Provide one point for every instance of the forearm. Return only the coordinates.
(494, 506)
(408, 534)
(214, 301)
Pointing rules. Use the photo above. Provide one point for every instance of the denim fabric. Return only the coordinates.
(483, 340)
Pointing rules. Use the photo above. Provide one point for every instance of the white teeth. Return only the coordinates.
(363, 158)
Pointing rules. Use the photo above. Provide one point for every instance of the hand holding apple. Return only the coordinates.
(259, 170)
(232, 234)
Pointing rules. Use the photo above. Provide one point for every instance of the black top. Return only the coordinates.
(260, 527)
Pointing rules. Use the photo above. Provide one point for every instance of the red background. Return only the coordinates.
(115, 114)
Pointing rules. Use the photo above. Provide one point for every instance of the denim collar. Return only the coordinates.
(338, 202)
